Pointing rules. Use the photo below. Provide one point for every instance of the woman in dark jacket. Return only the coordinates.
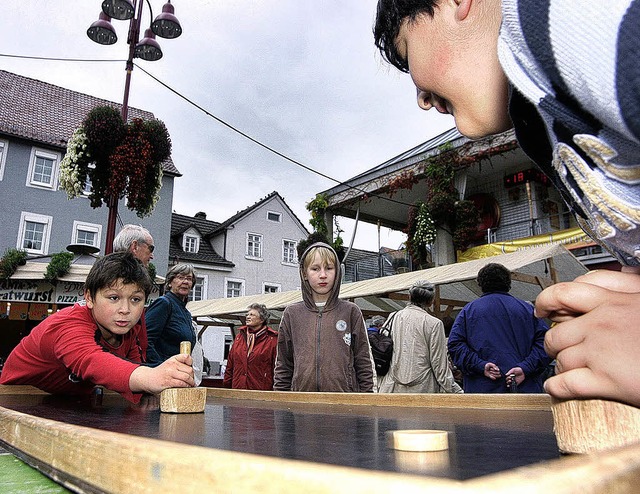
(253, 354)
(168, 320)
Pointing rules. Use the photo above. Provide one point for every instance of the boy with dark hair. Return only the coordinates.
(98, 343)
(497, 336)
(563, 73)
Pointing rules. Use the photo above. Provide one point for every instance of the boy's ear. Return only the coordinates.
(462, 9)
(88, 299)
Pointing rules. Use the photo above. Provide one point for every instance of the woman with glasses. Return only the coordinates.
(168, 320)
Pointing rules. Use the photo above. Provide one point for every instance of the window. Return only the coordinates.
(289, 254)
(199, 291)
(3, 156)
(43, 169)
(254, 245)
(271, 216)
(34, 233)
(86, 233)
(271, 287)
(234, 288)
(191, 243)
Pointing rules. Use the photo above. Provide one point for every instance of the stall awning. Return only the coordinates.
(533, 269)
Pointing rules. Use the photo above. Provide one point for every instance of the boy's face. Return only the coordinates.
(116, 308)
(321, 277)
(453, 62)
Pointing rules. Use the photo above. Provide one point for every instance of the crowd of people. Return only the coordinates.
(322, 343)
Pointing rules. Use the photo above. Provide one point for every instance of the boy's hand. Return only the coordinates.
(175, 372)
(597, 341)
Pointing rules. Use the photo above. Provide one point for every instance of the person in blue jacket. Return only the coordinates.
(168, 320)
(497, 338)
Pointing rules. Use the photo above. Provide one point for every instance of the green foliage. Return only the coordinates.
(10, 261)
(317, 208)
(467, 219)
(59, 266)
(152, 271)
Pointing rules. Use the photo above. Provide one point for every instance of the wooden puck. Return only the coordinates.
(418, 440)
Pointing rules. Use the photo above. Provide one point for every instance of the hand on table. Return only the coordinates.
(175, 372)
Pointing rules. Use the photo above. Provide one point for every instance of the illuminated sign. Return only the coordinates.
(529, 175)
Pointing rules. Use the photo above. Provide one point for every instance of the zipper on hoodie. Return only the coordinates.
(318, 327)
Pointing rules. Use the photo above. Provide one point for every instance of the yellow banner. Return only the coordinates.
(566, 237)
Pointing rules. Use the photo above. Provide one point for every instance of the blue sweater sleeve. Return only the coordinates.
(537, 360)
(462, 355)
(156, 316)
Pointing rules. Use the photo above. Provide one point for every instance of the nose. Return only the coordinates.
(427, 100)
(125, 307)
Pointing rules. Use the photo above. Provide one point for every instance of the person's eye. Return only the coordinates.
(137, 300)
(113, 298)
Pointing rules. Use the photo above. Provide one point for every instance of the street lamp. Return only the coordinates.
(165, 25)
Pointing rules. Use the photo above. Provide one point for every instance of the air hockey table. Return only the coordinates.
(274, 442)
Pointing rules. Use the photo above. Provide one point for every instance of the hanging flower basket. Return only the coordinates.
(116, 160)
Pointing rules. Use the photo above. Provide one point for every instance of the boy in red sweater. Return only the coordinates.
(98, 343)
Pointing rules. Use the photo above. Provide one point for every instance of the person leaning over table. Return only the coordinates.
(252, 356)
(98, 342)
(564, 75)
(169, 322)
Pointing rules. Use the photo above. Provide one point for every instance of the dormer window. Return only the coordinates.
(273, 216)
(191, 243)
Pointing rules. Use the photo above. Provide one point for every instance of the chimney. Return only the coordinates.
(202, 215)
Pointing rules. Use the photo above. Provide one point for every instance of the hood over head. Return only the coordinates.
(307, 293)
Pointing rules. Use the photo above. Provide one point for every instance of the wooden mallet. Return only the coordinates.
(183, 400)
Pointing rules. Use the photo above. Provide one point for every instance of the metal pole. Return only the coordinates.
(132, 40)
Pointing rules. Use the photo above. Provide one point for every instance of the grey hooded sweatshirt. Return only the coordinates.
(323, 348)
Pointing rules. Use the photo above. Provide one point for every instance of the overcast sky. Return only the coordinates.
(301, 76)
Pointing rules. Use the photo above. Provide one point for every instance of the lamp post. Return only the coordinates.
(165, 25)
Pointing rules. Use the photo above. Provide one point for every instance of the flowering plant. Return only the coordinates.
(421, 232)
(75, 164)
(119, 160)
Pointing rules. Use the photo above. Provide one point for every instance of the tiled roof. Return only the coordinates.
(181, 223)
(48, 114)
(244, 212)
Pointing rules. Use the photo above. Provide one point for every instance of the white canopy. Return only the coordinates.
(532, 270)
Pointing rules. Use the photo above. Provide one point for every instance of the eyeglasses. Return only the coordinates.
(181, 277)
(151, 247)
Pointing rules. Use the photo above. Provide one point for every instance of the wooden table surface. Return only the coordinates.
(318, 442)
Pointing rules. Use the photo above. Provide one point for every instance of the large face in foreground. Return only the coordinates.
(454, 64)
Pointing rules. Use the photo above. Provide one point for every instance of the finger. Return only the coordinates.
(570, 298)
(613, 280)
(571, 358)
(562, 336)
(578, 383)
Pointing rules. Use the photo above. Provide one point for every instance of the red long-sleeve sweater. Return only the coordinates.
(61, 356)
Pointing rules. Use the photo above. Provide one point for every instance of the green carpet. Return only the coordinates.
(16, 477)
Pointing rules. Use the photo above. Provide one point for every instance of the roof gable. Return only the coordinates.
(247, 211)
(41, 112)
